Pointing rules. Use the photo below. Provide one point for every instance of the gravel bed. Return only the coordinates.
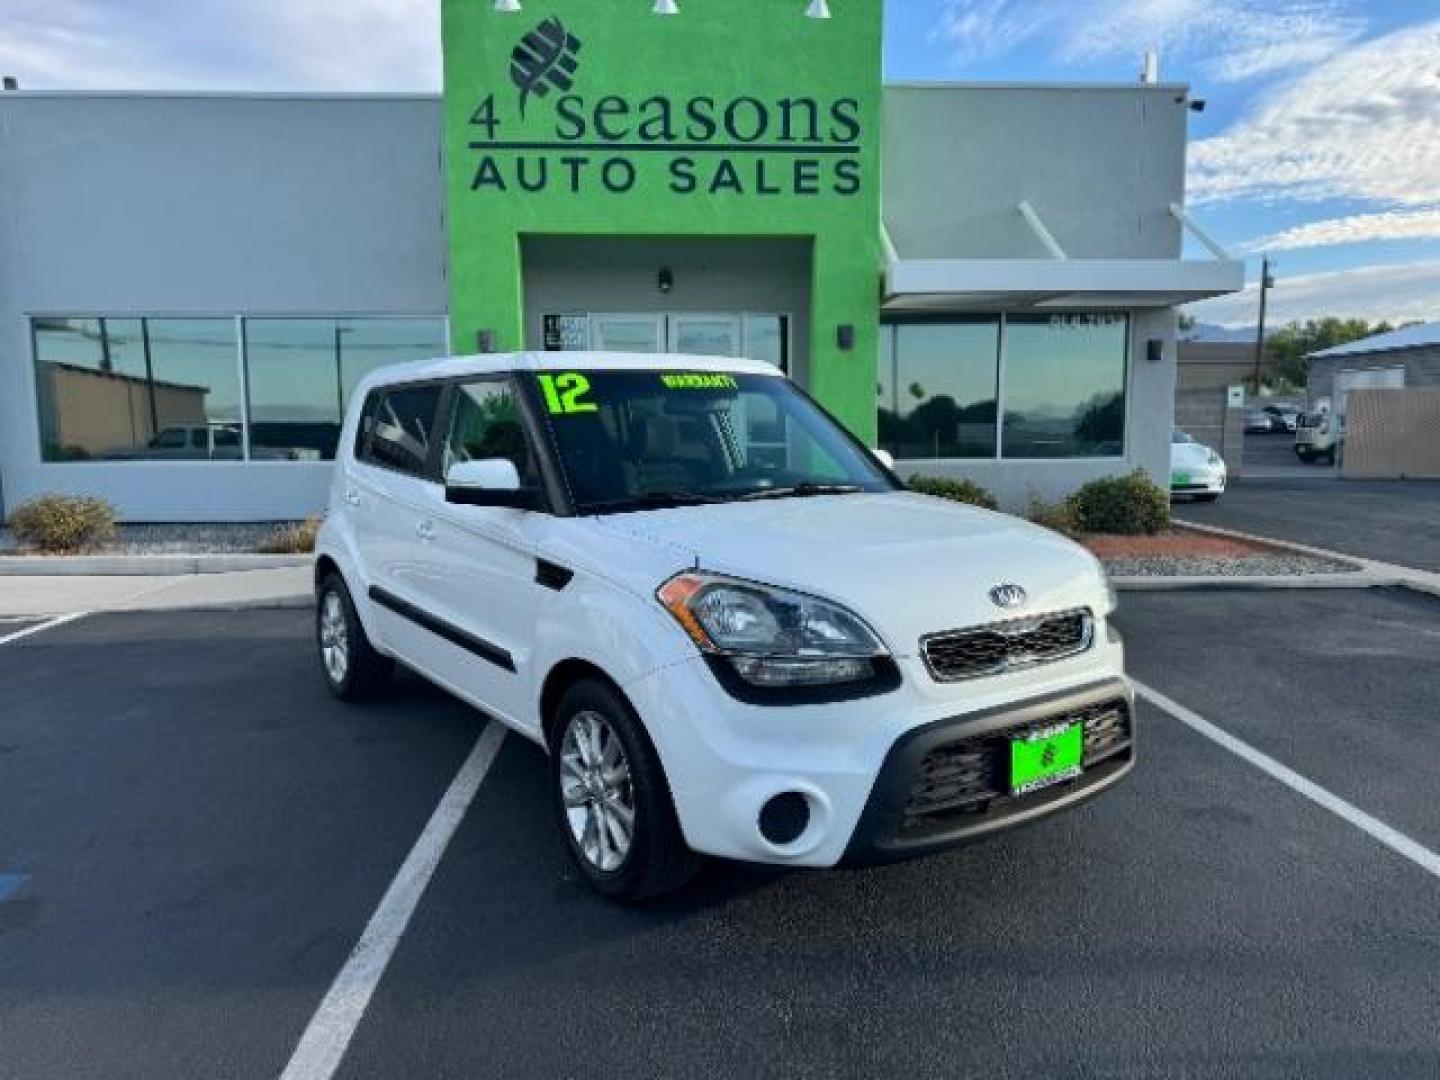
(1268, 565)
(178, 539)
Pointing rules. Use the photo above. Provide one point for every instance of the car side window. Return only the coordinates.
(486, 423)
(402, 428)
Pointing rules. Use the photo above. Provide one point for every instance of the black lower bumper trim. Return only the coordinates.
(886, 834)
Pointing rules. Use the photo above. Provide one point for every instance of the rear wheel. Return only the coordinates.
(353, 670)
(612, 799)
(1305, 455)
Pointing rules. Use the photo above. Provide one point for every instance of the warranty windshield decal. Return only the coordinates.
(699, 381)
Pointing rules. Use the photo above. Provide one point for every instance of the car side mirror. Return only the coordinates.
(488, 482)
(884, 457)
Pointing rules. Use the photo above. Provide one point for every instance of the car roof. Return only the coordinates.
(452, 367)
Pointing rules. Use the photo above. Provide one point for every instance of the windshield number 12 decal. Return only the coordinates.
(563, 393)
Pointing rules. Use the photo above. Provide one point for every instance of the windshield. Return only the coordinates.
(629, 440)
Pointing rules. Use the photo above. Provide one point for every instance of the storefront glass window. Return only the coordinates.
(1061, 379)
(1064, 386)
(941, 396)
(137, 389)
(301, 373)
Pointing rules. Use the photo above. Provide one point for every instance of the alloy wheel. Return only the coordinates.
(596, 789)
(334, 637)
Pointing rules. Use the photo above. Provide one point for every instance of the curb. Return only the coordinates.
(142, 565)
(1204, 582)
(1372, 573)
(297, 602)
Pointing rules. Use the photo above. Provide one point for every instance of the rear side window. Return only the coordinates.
(400, 424)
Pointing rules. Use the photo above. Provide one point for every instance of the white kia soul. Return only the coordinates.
(729, 624)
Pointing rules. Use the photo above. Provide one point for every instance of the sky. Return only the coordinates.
(1319, 143)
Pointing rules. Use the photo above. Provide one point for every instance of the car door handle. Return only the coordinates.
(426, 529)
(352, 496)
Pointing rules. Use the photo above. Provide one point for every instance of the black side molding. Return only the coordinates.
(552, 575)
(440, 628)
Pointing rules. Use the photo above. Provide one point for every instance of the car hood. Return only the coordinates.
(1189, 456)
(908, 563)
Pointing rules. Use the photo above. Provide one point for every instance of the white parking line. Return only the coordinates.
(329, 1032)
(59, 620)
(1396, 841)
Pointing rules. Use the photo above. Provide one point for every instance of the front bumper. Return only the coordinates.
(1199, 482)
(947, 783)
(726, 759)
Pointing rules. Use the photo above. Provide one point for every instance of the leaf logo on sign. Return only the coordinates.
(545, 58)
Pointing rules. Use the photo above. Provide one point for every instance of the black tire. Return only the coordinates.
(1305, 456)
(657, 860)
(1209, 496)
(366, 673)
(1330, 457)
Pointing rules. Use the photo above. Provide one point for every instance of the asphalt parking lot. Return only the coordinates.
(1395, 521)
(194, 837)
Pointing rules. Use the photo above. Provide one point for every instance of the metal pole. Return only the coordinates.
(1265, 282)
(339, 377)
(150, 376)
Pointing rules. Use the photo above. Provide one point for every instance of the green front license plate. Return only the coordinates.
(1046, 756)
(1180, 478)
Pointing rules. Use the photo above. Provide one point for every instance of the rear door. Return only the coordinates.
(391, 488)
(480, 567)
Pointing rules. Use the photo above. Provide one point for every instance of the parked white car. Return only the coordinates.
(1195, 469)
(731, 627)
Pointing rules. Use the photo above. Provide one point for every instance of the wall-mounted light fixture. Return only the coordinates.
(665, 280)
(507, 5)
(665, 7)
(845, 336)
(1155, 350)
(818, 9)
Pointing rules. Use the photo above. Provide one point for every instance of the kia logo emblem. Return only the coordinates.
(1007, 595)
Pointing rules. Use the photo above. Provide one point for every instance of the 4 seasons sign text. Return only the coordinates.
(740, 145)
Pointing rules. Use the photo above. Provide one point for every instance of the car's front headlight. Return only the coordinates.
(772, 637)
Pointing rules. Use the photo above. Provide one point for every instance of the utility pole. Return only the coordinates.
(1266, 284)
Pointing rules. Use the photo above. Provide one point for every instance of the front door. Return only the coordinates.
(627, 333)
(755, 335)
(705, 335)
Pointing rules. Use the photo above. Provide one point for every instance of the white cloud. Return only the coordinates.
(1365, 124)
(1224, 40)
(220, 44)
(975, 29)
(1423, 224)
(1230, 39)
(1393, 293)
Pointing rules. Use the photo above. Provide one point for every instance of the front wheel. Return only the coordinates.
(612, 798)
(353, 670)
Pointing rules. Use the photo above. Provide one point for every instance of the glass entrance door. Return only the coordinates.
(627, 333)
(705, 335)
(756, 335)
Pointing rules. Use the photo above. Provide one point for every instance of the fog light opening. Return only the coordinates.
(784, 818)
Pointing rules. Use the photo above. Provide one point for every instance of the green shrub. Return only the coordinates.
(964, 491)
(63, 524)
(1059, 516)
(292, 538)
(1128, 505)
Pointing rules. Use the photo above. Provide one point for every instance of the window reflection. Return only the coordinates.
(137, 389)
(939, 401)
(144, 389)
(301, 373)
(1065, 386)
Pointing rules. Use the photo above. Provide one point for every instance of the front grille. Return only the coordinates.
(971, 776)
(1005, 646)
